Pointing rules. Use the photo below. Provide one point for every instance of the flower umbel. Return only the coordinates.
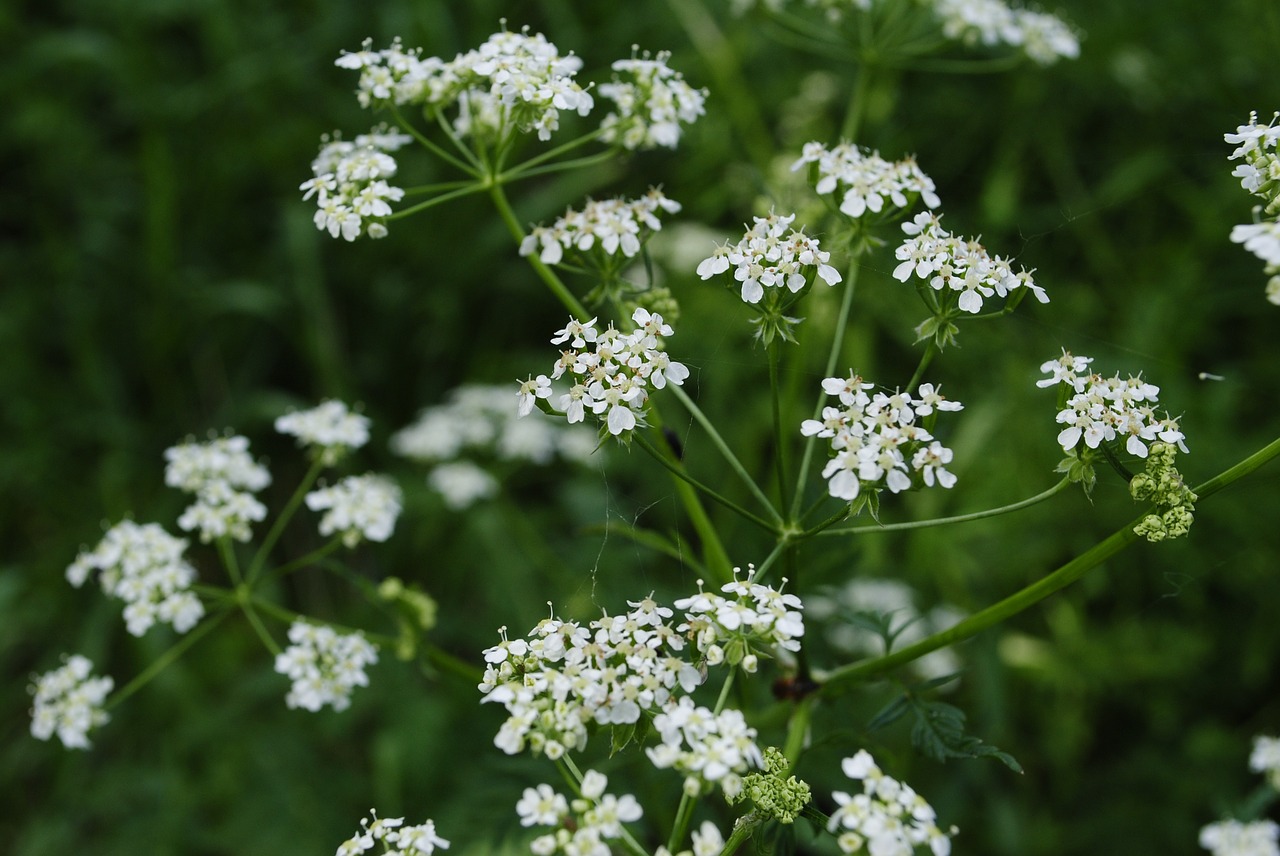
(863, 184)
(358, 507)
(652, 102)
(349, 182)
(394, 836)
(324, 665)
(888, 817)
(330, 429)
(68, 702)
(223, 476)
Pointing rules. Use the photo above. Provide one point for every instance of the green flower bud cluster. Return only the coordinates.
(415, 613)
(772, 795)
(1161, 484)
(657, 300)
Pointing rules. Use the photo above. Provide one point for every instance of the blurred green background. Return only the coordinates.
(160, 277)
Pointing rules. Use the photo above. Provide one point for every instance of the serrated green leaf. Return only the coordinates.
(890, 713)
(938, 732)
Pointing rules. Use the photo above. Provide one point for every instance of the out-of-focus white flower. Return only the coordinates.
(324, 665)
(358, 507)
(330, 428)
(68, 702)
(222, 474)
(462, 484)
(1265, 759)
(1233, 838)
(144, 566)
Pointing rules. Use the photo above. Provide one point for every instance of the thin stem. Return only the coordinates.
(445, 128)
(845, 677)
(288, 616)
(430, 146)
(273, 535)
(227, 552)
(959, 518)
(548, 276)
(797, 730)
(471, 189)
(857, 103)
(310, 559)
(166, 659)
(446, 662)
(779, 439)
(826, 524)
(576, 163)
(723, 448)
(258, 627)
(763, 568)
(552, 154)
(573, 776)
(433, 188)
(833, 356)
(930, 351)
(678, 472)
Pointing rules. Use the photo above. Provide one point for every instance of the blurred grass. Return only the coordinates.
(161, 279)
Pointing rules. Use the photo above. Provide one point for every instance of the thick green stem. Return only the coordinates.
(780, 440)
(548, 276)
(723, 448)
(797, 730)
(166, 659)
(842, 679)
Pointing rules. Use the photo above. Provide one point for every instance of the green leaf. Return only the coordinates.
(620, 736)
(890, 713)
(938, 732)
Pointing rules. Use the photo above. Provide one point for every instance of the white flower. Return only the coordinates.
(768, 256)
(956, 267)
(889, 817)
(607, 228)
(324, 665)
(349, 183)
(358, 507)
(144, 566)
(864, 183)
(1233, 838)
(420, 840)
(462, 484)
(876, 439)
(651, 106)
(1042, 37)
(1266, 759)
(222, 474)
(612, 379)
(331, 428)
(68, 702)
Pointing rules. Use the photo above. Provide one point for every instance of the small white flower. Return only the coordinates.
(358, 507)
(330, 428)
(324, 665)
(1233, 838)
(651, 107)
(68, 702)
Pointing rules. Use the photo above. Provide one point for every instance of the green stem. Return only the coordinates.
(797, 730)
(857, 104)
(723, 448)
(959, 518)
(227, 552)
(166, 659)
(562, 166)
(833, 356)
(678, 471)
(446, 662)
(310, 559)
(548, 276)
(435, 188)
(288, 616)
(258, 627)
(273, 535)
(930, 351)
(471, 189)
(552, 154)
(573, 776)
(430, 146)
(845, 677)
(762, 569)
(741, 832)
(779, 439)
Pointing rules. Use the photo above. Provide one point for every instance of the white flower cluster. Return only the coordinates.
(878, 437)
(837, 610)
(565, 676)
(608, 226)
(651, 101)
(1260, 175)
(512, 80)
(349, 182)
(143, 566)
(888, 818)
(770, 257)
(1044, 38)
(729, 628)
(395, 838)
(583, 825)
(1104, 409)
(1266, 759)
(709, 749)
(477, 421)
(223, 476)
(358, 507)
(68, 702)
(613, 378)
(330, 428)
(1233, 838)
(324, 665)
(864, 182)
(956, 266)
